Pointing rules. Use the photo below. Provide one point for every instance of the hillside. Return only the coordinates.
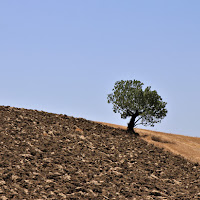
(188, 147)
(51, 156)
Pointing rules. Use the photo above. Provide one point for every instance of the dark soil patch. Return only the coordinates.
(50, 156)
(159, 139)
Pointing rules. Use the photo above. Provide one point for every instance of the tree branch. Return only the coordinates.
(130, 113)
(141, 123)
(138, 119)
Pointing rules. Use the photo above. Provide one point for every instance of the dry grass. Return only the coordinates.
(188, 147)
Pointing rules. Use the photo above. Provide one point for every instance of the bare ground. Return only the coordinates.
(188, 147)
(50, 156)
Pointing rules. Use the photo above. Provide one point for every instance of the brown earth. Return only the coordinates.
(51, 156)
(188, 147)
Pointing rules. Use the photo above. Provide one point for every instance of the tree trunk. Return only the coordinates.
(131, 124)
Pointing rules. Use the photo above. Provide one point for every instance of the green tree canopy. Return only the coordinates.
(143, 106)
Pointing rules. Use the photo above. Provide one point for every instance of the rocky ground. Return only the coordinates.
(50, 156)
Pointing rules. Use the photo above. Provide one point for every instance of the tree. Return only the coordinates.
(143, 106)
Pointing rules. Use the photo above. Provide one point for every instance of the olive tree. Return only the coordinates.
(144, 106)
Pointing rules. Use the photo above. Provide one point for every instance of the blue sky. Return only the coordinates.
(65, 56)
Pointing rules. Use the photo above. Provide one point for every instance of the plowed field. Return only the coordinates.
(51, 156)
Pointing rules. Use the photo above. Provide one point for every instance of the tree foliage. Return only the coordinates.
(128, 98)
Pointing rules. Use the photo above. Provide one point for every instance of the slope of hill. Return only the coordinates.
(188, 147)
(50, 156)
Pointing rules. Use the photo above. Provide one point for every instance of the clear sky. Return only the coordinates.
(65, 56)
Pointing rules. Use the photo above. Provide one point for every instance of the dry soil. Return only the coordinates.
(51, 156)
